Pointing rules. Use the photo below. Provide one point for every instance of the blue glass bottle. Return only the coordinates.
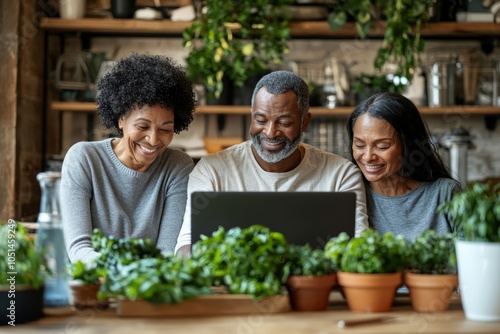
(50, 238)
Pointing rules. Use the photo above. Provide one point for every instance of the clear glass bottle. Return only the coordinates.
(50, 237)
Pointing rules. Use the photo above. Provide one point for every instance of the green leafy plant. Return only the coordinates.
(475, 213)
(166, 279)
(433, 253)
(368, 253)
(304, 261)
(262, 34)
(136, 269)
(401, 45)
(20, 256)
(246, 261)
(115, 250)
(87, 274)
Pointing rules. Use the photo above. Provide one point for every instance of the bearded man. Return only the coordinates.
(275, 159)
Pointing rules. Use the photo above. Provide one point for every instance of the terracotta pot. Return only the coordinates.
(369, 292)
(430, 293)
(85, 295)
(310, 293)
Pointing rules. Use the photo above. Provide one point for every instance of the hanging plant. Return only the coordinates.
(401, 46)
(235, 39)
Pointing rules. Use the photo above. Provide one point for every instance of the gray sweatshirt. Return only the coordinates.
(412, 213)
(98, 190)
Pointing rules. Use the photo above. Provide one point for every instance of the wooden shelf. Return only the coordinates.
(297, 29)
(90, 107)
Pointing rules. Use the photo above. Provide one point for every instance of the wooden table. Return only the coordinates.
(404, 320)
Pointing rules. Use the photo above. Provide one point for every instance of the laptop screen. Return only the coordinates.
(303, 217)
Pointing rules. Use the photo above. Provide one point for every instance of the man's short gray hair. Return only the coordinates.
(279, 82)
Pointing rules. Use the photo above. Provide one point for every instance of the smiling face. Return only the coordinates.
(377, 149)
(277, 127)
(147, 132)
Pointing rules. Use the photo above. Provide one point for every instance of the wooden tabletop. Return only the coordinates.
(400, 320)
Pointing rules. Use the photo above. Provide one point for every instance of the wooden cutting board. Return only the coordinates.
(222, 304)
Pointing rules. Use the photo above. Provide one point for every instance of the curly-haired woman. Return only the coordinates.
(132, 185)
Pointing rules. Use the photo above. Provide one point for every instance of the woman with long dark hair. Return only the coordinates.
(405, 178)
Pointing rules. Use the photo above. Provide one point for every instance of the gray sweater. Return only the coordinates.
(98, 190)
(412, 213)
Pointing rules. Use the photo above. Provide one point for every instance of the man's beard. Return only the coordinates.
(271, 157)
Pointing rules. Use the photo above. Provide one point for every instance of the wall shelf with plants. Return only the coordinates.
(89, 27)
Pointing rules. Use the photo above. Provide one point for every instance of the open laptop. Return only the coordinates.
(302, 217)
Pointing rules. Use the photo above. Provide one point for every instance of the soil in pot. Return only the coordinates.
(369, 292)
(430, 293)
(85, 296)
(310, 293)
(27, 306)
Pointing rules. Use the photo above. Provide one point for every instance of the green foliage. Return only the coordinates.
(303, 260)
(369, 253)
(124, 251)
(262, 31)
(247, 261)
(475, 213)
(433, 253)
(379, 82)
(163, 279)
(88, 274)
(401, 45)
(20, 256)
(136, 269)
(335, 247)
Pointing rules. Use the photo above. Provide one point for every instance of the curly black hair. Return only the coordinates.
(140, 80)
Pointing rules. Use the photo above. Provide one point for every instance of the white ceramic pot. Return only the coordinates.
(479, 279)
(72, 9)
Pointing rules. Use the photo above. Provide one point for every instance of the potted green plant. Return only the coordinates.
(401, 45)
(370, 268)
(247, 261)
(135, 270)
(475, 214)
(235, 40)
(312, 277)
(432, 275)
(86, 284)
(22, 275)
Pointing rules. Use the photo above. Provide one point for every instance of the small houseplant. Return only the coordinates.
(312, 276)
(401, 45)
(22, 275)
(475, 214)
(235, 40)
(136, 270)
(370, 268)
(432, 276)
(245, 261)
(86, 284)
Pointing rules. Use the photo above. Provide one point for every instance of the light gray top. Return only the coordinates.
(236, 169)
(412, 213)
(98, 190)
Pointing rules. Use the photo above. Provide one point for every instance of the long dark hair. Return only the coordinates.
(421, 162)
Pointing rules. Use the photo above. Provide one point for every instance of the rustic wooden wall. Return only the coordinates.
(29, 111)
(9, 23)
(21, 93)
